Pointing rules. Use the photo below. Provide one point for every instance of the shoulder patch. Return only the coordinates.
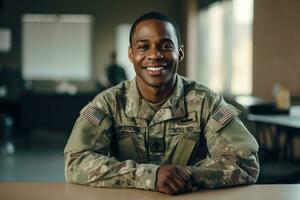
(223, 115)
(92, 114)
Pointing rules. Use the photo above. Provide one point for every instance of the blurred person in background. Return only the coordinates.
(115, 72)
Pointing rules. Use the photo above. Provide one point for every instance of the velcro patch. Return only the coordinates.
(93, 115)
(157, 144)
(223, 115)
(192, 117)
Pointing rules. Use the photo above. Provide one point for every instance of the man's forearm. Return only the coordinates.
(222, 172)
(90, 168)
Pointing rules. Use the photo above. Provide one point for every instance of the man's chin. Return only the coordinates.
(157, 84)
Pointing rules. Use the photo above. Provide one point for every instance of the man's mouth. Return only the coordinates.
(154, 68)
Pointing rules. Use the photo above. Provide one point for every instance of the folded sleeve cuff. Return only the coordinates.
(145, 176)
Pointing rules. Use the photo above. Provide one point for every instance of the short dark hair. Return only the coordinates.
(158, 16)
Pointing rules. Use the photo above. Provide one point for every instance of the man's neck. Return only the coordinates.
(157, 94)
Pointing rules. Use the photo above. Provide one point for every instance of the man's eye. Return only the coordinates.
(142, 47)
(168, 46)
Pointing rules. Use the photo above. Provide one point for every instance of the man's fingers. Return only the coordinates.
(168, 188)
(173, 179)
(181, 182)
(183, 175)
(176, 188)
(186, 175)
(165, 189)
(184, 170)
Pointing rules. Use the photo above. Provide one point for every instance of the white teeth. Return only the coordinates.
(155, 68)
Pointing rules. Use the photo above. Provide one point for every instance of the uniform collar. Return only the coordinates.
(174, 107)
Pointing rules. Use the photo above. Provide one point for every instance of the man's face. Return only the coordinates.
(154, 53)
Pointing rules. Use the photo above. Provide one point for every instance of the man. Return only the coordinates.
(159, 131)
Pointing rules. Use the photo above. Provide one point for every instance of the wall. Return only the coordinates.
(276, 49)
(276, 46)
(107, 14)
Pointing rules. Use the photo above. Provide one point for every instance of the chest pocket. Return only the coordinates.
(130, 142)
(184, 139)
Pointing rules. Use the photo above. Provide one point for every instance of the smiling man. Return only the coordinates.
(159, 131)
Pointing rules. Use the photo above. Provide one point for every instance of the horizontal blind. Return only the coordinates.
(57, 47)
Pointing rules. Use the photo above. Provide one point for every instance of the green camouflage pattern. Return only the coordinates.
(131, 141)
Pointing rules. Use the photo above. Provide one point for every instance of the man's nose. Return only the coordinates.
(155, 53)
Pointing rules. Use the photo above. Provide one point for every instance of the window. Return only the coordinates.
(5, 39)
(225, 47)
(122, 44)
(57, 47)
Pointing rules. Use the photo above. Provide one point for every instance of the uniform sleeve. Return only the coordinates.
(89, 159)
(232, 150)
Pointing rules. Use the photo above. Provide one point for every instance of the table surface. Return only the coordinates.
(64, 191)
(291, 120)
(281, 120)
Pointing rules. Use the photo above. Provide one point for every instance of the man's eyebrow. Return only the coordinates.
(167, 40)
(141, 41)
(162, 40)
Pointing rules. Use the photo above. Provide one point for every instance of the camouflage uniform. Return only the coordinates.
(119, 141)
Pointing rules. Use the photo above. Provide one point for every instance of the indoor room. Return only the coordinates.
(58, 59)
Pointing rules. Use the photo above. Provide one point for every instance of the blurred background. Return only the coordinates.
(55, 56)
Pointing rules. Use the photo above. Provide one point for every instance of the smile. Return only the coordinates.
(154, 68)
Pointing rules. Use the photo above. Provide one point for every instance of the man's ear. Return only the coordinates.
(181, 53)
(130, 56)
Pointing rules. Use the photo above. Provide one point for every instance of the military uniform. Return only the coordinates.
(120, 141)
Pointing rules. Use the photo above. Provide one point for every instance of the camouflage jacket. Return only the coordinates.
(119, 141)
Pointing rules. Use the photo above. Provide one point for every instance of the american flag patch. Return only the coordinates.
(223, 115)
(93, 115)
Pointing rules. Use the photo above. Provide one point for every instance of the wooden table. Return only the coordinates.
(63, 191)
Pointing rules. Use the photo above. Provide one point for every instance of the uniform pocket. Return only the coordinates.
(131, 144)
(182, 141)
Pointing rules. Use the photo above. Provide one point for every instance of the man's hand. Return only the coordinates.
(173, 179)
